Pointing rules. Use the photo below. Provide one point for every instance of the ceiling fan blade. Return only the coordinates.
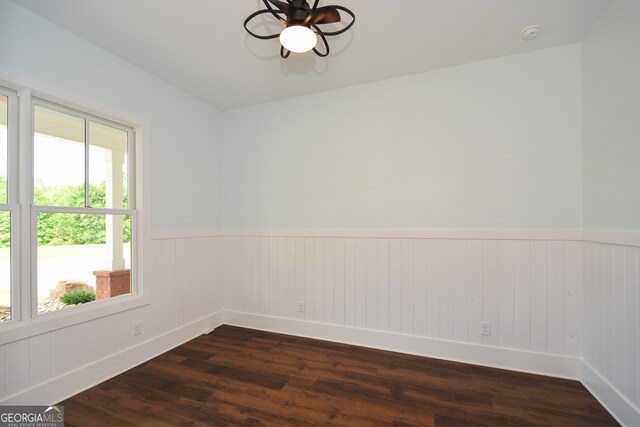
(326, 15)
(282, 6)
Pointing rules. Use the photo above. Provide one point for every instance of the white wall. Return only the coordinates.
(183, 133)
(490, 144)
(183, 130)
(611, 129)
(611, 174)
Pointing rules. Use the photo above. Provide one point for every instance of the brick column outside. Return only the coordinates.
(112, 283)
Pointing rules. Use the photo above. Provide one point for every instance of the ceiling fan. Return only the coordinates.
(301, 23)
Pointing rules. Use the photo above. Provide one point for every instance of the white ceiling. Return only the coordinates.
(201, 47)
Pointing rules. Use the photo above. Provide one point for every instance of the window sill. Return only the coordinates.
(15, 331)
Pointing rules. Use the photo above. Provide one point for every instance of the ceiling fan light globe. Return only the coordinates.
(298, 39)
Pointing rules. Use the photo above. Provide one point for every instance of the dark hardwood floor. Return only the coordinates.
(237, 376)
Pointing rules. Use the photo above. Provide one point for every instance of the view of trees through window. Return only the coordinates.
(57, 229)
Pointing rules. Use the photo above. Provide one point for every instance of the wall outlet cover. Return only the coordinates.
(485, 328)
(137, 328)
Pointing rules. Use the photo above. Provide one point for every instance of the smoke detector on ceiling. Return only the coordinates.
(531, 32)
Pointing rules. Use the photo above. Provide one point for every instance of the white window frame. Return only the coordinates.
(36, 209)
(12, 205)
(27, 322)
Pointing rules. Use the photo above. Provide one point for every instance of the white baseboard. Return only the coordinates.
(624, 411)
(67, 385)
(515, 360)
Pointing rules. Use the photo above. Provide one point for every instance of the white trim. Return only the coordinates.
(25, 196)
(74, 382)
(186, 233)
(76, 110)
(613, 237)
(12, 144)
(410, 233)
(141, 244)
(7, 85)
(64, 318)
(494, 357)
(12, 206)
(418, 233)
(14, 267)
(623, 410)
(82, 210)
(87, 146)
(48, 92)
(132, 166)
(32, 240)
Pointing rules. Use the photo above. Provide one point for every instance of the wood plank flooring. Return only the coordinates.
(237, 376)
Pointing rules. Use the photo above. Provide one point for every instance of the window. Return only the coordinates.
(68, 206)
(82, 213)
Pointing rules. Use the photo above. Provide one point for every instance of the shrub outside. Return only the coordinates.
(77, 297)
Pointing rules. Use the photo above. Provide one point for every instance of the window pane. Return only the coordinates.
(87, 252)
(58, 157)
(5, 266)
(107, 166)
(4, 142)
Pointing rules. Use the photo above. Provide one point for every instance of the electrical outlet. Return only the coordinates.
(137, 328)
(485, 328)
(301, 306)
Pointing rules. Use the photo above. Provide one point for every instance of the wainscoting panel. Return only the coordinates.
(612, 307)
(541, 292)
(528, 290)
